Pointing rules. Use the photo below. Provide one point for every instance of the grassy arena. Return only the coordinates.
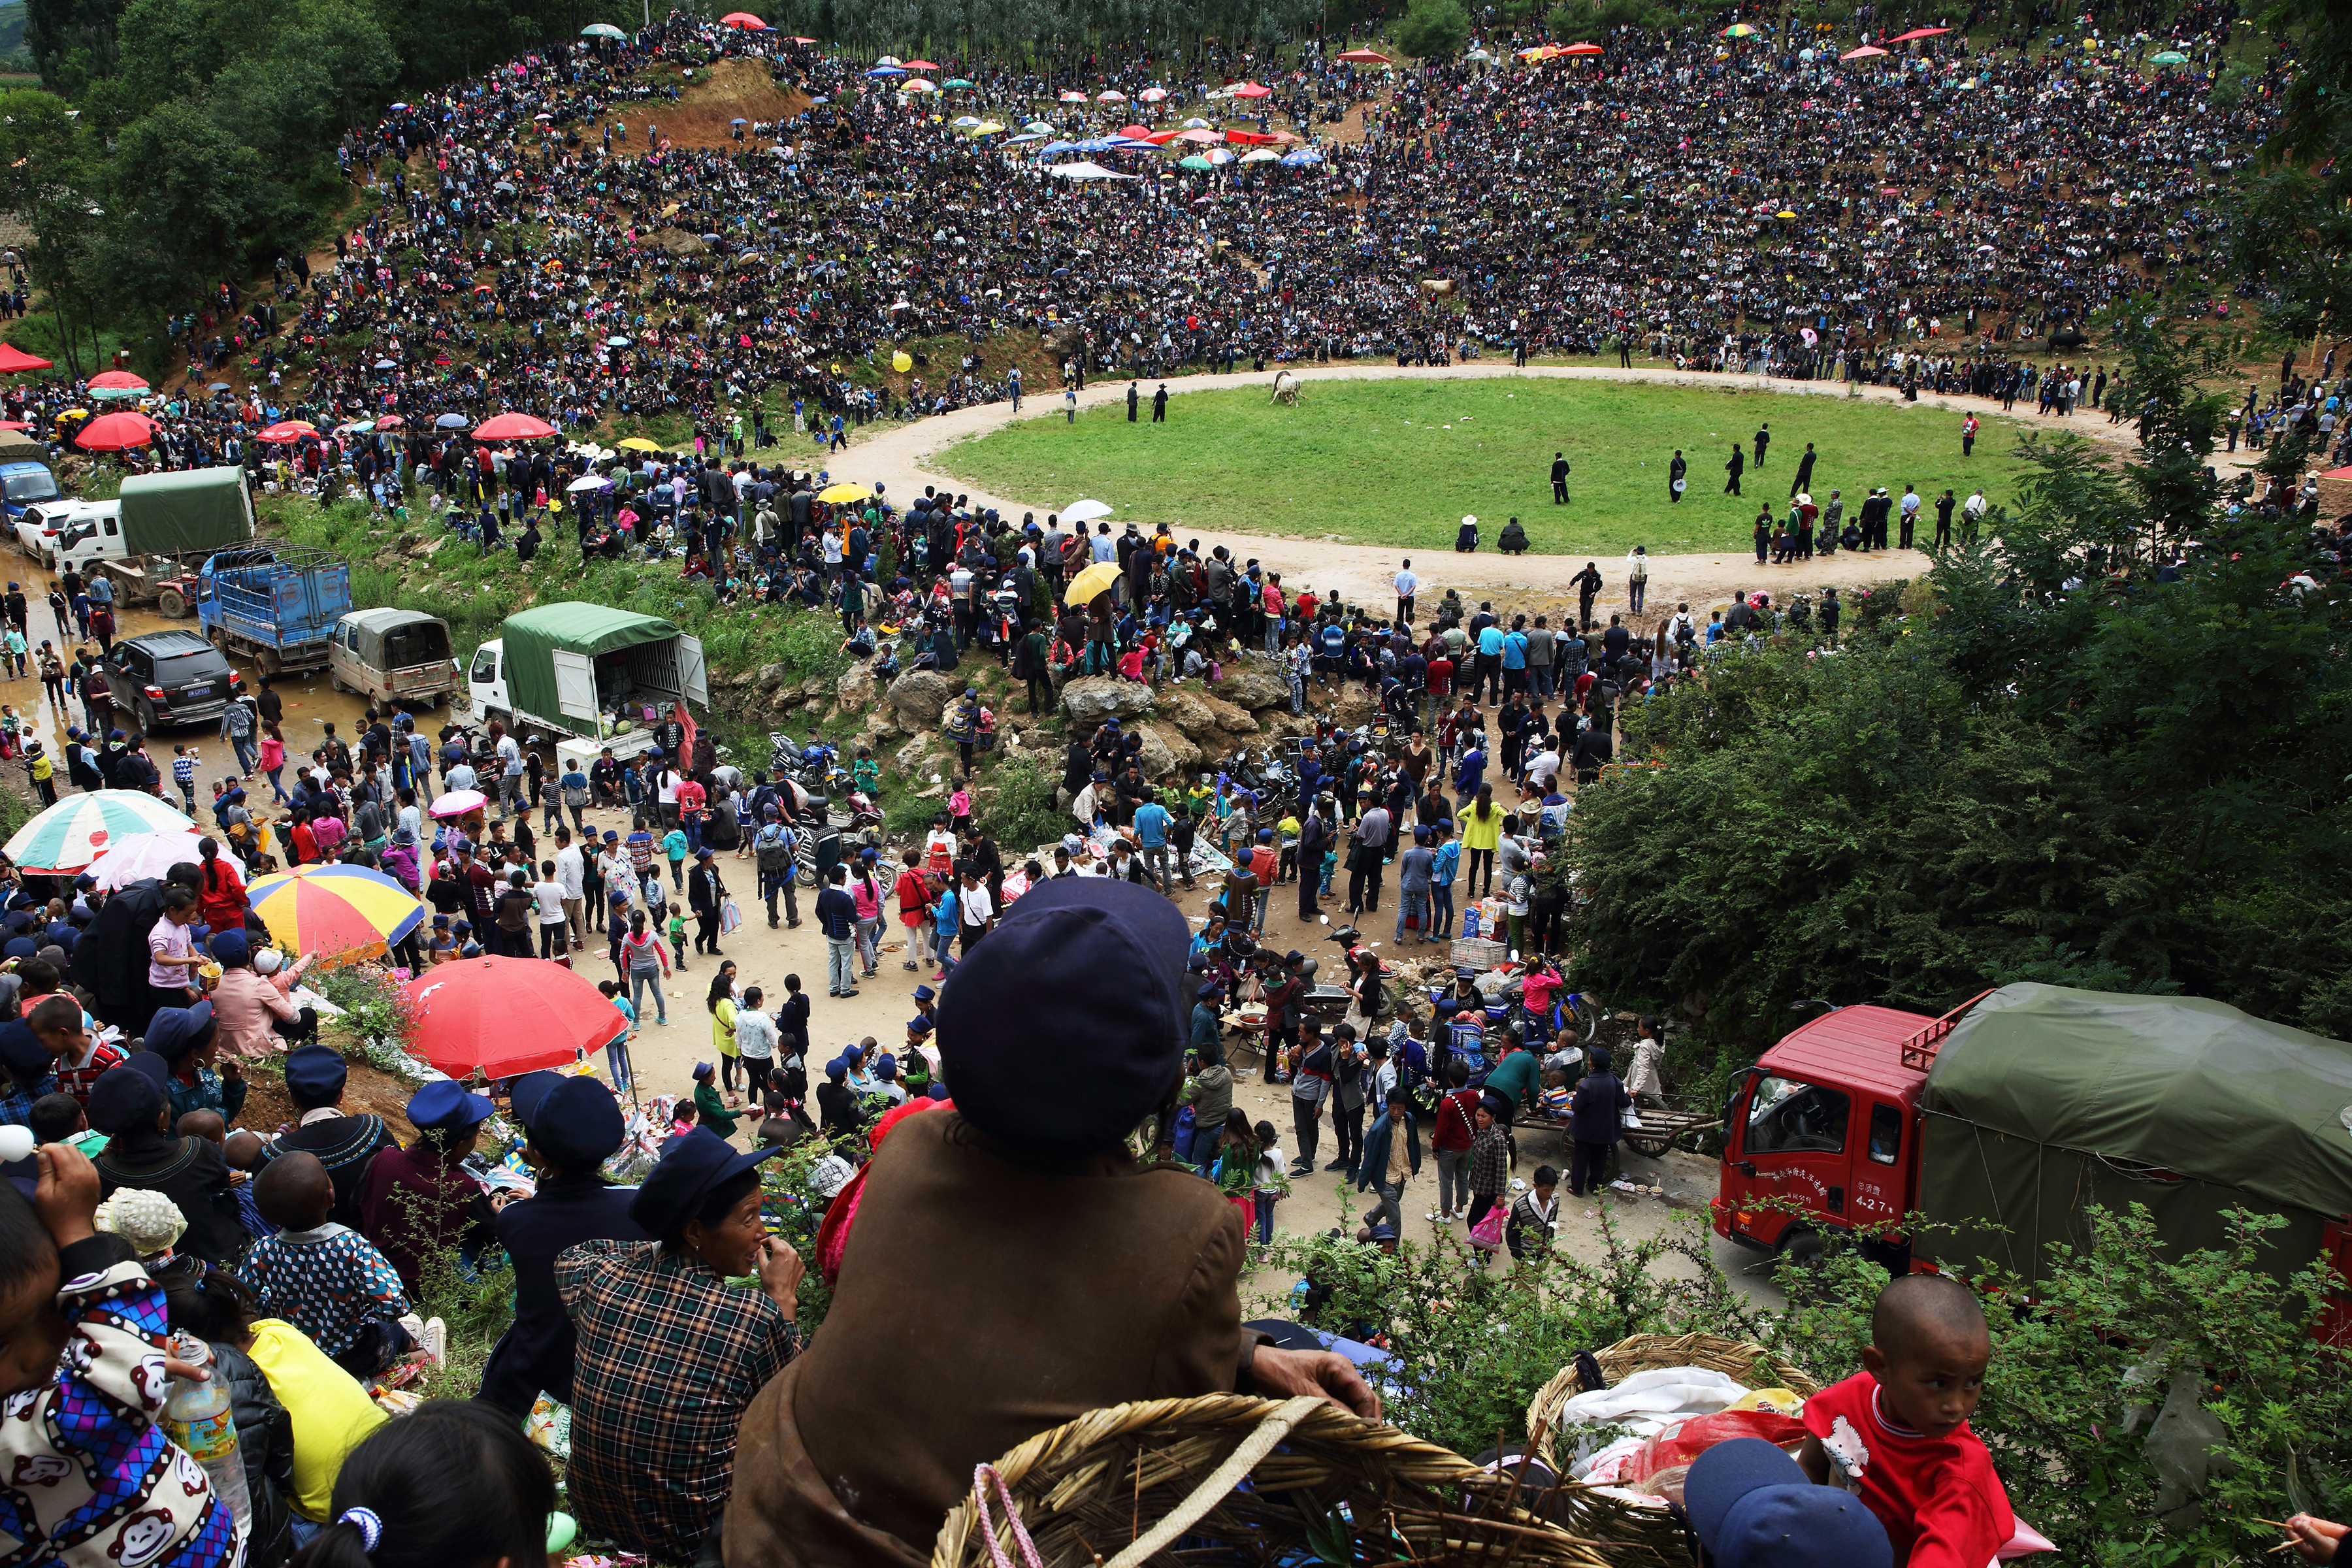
(1399, 462)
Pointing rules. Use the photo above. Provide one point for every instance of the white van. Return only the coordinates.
(92, 534)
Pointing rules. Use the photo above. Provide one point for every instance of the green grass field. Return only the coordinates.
(1399, 462)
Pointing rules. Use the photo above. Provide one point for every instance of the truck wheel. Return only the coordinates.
(269, 663)
(172, 605)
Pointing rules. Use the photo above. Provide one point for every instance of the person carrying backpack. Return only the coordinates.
(773, 848)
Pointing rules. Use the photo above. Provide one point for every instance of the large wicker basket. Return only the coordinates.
(1743, 1359)
(1227, 1479)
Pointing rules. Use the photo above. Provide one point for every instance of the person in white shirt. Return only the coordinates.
(571, 873)
(757, 1037)
(552, 923)
(975, 910)
(1406, 586)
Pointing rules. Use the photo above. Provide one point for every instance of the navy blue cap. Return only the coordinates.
(175, 1031)
(918, 1025)
(1106, 958)
(21, 1051)
(315, 1075)
(691, 1165)
(129, 1096)
(446, 1103)
(924, 993)
(576, 1121)
(231, 947)
(21, 947)
(1753, 1508)
(523, 1096)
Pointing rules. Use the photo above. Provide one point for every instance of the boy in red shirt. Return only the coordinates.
(1897, 1434)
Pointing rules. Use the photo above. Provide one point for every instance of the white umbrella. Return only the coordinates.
(588, 482)
(1087, 171)
(1085, 510)
(137, 856)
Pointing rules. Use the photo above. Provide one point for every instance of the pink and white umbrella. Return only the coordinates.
(459, 802)
(135, 857)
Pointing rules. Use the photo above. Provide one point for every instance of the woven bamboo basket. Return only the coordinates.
(1743, 1359)
(1227, 1479)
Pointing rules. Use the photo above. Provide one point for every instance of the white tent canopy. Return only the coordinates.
(1087, 170)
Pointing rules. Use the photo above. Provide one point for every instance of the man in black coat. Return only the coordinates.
(346, 1145)
(1763, 440)
(1159, 404)
(570, 1127)
(1804, 473)
(1734, 467)
(1559, 478)
(1675, 472)
(1132, 398)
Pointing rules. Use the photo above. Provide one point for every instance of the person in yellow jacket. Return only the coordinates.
(38, 767)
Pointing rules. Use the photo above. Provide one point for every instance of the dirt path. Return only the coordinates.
(902, 459)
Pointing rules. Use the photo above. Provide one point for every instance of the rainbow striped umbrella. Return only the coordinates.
(71, 834)
(342, 912)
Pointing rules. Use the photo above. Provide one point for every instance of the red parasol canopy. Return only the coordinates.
(507, 1016)
(1919, 33)
(113, 432)
(14, 359)
(390, 422)
(112, 380)
(1366, 58)
(743, 19)
(1251, 90)
(920, 65)
(1867, 51)
(512, 428)
(285, 431)
(1583, 50)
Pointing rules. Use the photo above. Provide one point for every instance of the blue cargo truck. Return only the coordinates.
(276, 604)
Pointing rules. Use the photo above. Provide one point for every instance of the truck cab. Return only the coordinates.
(89, 534)
(27, 484)
(486, 685)
(1827, 1120)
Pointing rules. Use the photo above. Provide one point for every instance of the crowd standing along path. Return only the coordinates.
(908, 457)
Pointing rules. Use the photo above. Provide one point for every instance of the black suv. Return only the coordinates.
(172, 677)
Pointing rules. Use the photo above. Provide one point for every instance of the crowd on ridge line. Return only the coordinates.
(140, 1268)
(712, 282)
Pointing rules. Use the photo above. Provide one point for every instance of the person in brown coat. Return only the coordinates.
(1055, 1275)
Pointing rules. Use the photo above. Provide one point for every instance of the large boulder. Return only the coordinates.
(1255, 685)
(1204, 716)
(1167, 751)
(857, 689)
(919, 697)
(1092, 698)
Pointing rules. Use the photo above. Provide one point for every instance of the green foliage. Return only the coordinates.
(2062, 767)
(2076, 1375)
(1024, 815)
(1433, 29)
(1477, 1344)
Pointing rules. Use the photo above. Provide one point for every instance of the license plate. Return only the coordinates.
(197, 691)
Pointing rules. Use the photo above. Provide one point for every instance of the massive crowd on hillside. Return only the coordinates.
(539, 243)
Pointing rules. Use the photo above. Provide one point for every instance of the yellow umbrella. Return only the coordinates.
(1092, 583)
(834, 494)
(638, 443)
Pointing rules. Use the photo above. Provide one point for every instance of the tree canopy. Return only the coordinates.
(2054, 766)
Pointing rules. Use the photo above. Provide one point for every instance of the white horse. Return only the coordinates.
(1287, 388)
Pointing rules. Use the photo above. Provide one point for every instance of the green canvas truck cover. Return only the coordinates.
(585, 629)
(2043, 1101)
(16, 446)
(196, 509)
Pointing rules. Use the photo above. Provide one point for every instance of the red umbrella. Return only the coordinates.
(742, 19)
(14, 359)
(920, 65)
(113, 432)
(1366, 58)
(285, 431)
(1867, 52)
(512, 428)
(1135, 133)
(507, 1016)
(1919, 33)
(1583, 50)
(122, 379)
(390, 422)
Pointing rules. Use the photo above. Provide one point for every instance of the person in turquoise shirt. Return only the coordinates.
(1515, 656)
(1441, 872)
(1488, 676)
(673, 846)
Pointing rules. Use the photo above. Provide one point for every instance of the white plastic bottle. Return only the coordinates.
(196, 1416)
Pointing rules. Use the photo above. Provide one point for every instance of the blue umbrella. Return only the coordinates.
(451, 421)
(886, 71)
(1301, 158)
(1054, 148)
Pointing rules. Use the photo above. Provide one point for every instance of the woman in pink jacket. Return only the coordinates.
(256, 1014)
